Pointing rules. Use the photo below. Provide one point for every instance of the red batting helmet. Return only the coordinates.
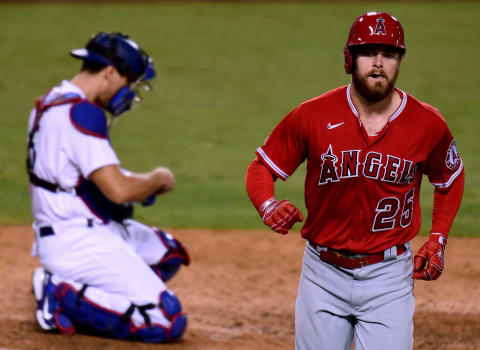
(373, 28)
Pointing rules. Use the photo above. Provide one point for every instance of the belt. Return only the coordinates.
(351, 262)
(46, 231)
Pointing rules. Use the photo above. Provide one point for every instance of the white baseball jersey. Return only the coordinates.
(63, 155)
(112, 261)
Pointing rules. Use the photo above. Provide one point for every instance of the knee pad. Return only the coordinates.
(172, 309)
(87, 315)
(175, 256)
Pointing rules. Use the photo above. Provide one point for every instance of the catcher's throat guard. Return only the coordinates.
(129, 96)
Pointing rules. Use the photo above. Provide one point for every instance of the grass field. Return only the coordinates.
(227, 73)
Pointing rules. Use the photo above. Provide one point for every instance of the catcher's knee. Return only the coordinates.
(175, 256)
(172, 309)
(87, 314)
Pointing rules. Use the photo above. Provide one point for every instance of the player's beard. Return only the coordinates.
(378, 91)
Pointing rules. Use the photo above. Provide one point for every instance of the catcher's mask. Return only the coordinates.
(128, 58)
(373, 28)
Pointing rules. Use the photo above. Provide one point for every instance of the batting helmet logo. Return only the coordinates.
(380, 28)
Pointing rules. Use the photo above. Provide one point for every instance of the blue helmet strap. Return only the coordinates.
(121, 102)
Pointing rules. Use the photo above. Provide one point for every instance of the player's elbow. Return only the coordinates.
(118, 196)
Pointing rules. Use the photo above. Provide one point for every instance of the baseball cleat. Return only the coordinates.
(47, 314)
(44, 292)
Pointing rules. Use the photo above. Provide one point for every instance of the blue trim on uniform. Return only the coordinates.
(89, 119)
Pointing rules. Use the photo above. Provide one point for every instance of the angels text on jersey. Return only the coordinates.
(372, 165)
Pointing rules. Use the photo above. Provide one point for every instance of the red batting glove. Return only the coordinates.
(429, 262)
(280, 216)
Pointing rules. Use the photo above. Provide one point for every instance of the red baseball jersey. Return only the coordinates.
(362, 192)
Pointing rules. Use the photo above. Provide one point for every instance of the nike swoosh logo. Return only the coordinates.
(46, 312)
(333, 126)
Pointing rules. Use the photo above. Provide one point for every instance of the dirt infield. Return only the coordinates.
(239, 293)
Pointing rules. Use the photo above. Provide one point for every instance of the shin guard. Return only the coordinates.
(119, 318)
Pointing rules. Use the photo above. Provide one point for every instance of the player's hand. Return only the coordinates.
(429, 261)
(280, 216)
(164, 179)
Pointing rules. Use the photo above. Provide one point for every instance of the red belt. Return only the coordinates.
(351, 262)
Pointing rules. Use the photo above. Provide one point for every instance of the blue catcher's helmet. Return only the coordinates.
(128, 58)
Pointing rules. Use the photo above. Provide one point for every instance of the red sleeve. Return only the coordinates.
(285, 149)
(445, 205)
(259, 182)
(445, 171)
(444, 164)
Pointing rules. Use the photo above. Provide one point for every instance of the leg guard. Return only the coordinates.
(122, 319)
(172, 309)
(176, 255)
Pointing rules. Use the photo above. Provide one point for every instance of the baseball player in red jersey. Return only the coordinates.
(367, 146)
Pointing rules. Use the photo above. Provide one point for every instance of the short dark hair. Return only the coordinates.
(92, 66)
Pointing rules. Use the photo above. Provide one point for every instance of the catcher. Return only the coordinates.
(101, 271)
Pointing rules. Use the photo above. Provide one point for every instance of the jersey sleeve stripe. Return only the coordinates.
(452, 178)
(272, 165)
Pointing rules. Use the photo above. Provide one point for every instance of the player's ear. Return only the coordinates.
(109, 72)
